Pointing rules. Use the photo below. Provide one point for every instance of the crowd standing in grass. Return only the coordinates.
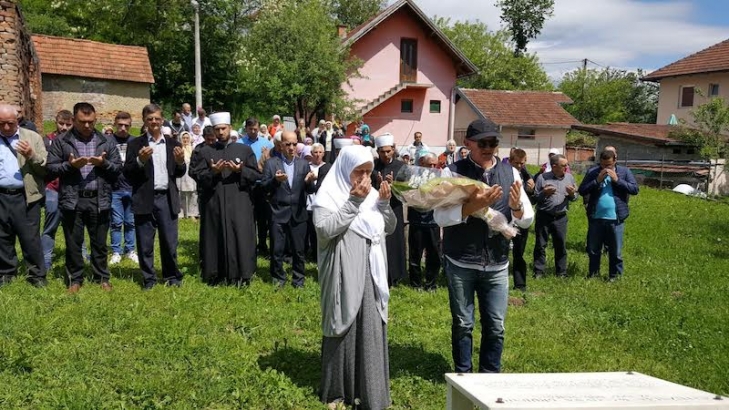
(315, 194)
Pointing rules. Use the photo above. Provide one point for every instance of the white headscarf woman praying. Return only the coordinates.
(351, 221)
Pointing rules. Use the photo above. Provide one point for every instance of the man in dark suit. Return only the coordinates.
(288, 180)
(153, 163)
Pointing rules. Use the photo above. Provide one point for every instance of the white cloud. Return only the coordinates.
(617, 33)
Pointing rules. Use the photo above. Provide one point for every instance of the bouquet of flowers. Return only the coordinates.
(427, 188)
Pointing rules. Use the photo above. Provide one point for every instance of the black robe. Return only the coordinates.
(395, 243)
(227, 230)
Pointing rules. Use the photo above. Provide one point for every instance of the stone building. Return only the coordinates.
(111, 77)
(20, 77)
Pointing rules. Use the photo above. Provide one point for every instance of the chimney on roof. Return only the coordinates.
(341, 30)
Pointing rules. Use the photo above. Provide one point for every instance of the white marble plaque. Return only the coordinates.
(574, 391)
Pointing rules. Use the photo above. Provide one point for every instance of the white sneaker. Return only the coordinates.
(132, 256)
(115, 258)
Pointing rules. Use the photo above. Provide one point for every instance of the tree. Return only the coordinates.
(710, 128)
(524, 19)
(499, 68)
(610, 95)
(165, 28)
(306, 65)
(352, 13)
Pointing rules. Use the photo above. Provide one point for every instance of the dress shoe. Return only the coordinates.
(74, 288)
(106, 286)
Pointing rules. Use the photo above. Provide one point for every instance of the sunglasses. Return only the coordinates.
(289, 144)
(488, 143)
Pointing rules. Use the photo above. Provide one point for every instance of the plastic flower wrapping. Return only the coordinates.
(427, 188)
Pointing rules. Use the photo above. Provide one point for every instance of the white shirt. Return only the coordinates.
(451, 216)
(159, 160)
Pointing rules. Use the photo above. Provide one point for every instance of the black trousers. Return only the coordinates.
(547, 225)
(294, 233)
(262, 216)
(519, 266)
(96, 222)
(163, 220)
(424, 238)
(21, 220)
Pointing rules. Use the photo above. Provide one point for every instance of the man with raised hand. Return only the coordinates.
(288, 180)
(226, 173)
(86, 163)
(153, 163)
(22, 168)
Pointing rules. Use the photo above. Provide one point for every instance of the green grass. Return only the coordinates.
(258, 348)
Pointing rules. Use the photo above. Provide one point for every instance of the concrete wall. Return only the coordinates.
(719, 182)
(631, 150)
(380, 52)
(669, 98)
(19, 69)
(108, 97)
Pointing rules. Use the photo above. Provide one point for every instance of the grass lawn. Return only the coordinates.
(258, 348)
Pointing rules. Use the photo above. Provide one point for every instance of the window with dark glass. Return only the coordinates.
(406, 106)
(435, 106)
(687, 96)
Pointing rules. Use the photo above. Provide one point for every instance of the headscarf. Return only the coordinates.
(300, 149)
(369, 222)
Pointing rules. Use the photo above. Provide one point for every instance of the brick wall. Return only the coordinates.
(107, 96)
(20, 82)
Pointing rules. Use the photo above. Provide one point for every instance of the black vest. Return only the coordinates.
(473, 242)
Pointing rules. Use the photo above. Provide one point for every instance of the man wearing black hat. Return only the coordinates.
(476, 259)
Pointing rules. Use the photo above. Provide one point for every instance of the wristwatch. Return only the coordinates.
(520, 208)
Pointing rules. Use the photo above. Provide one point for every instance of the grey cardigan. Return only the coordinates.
(343, 264)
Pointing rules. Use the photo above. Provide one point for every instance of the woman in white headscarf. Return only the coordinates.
(351, 221)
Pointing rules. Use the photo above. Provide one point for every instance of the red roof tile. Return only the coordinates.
(712, 59)
(521, 108)
(58, 55)
(653, 132)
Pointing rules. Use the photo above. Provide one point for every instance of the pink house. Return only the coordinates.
(409, 75)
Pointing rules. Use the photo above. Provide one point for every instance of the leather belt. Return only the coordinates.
(88, 194)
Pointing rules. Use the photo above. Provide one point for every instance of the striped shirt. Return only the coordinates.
(88, 171)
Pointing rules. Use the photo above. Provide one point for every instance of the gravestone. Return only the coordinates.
(601, 391)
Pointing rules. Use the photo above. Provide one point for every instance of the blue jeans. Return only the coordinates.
(603, 232)
(492, 290)
(50, 227)
(122, 216)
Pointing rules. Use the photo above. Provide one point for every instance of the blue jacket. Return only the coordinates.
(625, 186)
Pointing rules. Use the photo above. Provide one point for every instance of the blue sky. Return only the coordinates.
(628, 34)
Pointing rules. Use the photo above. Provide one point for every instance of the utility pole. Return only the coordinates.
(582, 94)
(198, 66)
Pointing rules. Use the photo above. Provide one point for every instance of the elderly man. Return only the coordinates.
(386, 169)
(424, 236)
(288, 181)
(226, 173)
(609, 187)
(86, 163)
(24, 122)
(153, 163)
(517, 159)
(22, 168)
(326, 138)
(202, 118)
(320, 169)
(187, 116)
(477, 259)
(554, 190)
(262, 209)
